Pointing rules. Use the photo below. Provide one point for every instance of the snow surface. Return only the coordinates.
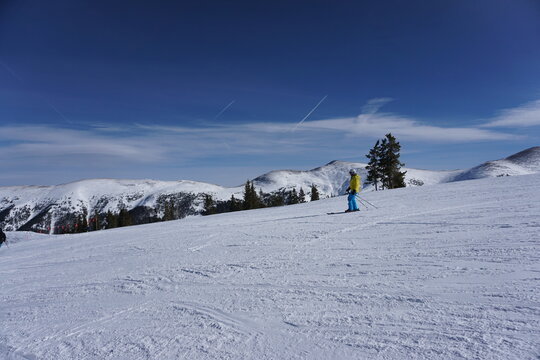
(436, 272)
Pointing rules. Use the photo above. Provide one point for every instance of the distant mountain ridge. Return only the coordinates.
(522, 163)
(45, 208)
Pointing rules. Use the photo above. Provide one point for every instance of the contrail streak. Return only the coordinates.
(59, 113)
(11, 71)
(224, 109)
(219, 114)
(16, 76)
(309, 113)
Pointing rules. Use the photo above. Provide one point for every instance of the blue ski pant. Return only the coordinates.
(352, 201)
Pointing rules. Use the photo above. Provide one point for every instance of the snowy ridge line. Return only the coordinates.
(54, 209)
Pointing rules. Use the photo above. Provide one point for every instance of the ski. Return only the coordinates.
(341, 212)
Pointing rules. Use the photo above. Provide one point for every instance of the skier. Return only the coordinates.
(2, 237)
(352, 190)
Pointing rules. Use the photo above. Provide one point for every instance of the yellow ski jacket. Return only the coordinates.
(354, 184)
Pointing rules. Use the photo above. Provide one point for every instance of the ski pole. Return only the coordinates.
(359, 199)
(362, 199)
(361, 202)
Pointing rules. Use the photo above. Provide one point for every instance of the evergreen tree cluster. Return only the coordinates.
(77, 224)
(314, 193)
(120, 219)
(384, 166)
(96, 222)
(252, 200)
(168, 213)
(176, 208)
(255, 200)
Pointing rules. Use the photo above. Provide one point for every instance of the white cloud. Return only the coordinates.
(522, 116)
(142, 143)
(373, 105)
(42, 141)
(158, 143)
(372, 124)
(37, 145)
(376, 125)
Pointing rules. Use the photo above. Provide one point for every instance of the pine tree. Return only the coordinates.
(124, 218)
(390, 165)
(235, 204)
(374, 171)
(293, 197)
(260, 199)
(168, 213)
(248, 202)
(209, 205)
(96, 221)
(302, 196)
(112, 220)
(77, 225)
(172, 210)
(83, 227)
(276, 199)
(251, 199)
(314, 193)
(257, 201)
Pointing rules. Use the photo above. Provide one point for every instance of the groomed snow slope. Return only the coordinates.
(439, 272)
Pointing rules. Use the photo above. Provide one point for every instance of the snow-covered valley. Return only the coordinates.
(447, 271)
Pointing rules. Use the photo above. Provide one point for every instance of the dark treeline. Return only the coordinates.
(173, 209)
(98, 222)
(256, 200)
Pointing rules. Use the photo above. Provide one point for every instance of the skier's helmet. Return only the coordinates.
(352, 172)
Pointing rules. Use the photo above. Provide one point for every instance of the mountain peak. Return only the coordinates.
(337, 162)
(529, 158)
(521, 163)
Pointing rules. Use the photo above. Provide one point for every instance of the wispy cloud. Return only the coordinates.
(373, 105)
(373, 125)
(165, 144)
(38, 142)
(525, 115)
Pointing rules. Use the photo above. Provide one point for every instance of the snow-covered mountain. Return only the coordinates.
(523, 163)
(48, 207)
(442, 272)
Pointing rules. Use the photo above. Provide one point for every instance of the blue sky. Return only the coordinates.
(216, 91)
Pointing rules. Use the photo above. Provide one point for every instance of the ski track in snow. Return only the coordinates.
(439, 272)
